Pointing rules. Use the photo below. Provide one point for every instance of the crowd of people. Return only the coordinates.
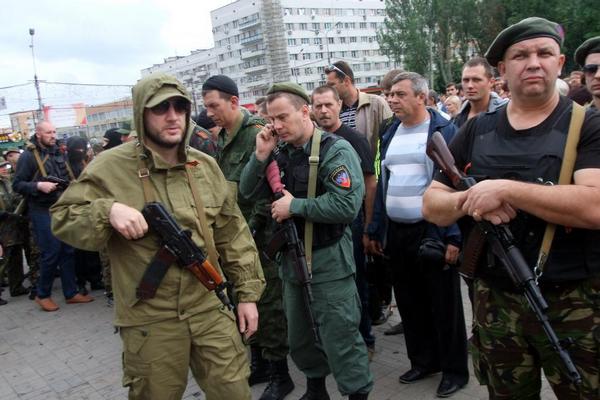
(366, 216)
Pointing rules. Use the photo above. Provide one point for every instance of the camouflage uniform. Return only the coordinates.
(12, 239)
(234, 151)
(505, 329)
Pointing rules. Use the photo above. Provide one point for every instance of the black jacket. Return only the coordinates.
(27, 174)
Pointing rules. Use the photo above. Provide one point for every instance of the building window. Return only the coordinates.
(317, 40)
(308, 71)
(330, 40)
(293, 57)
(352, 39)
(289, 27)
(327, 25)
(316, 26)
(354, 54)
(291, 42)
(319, 56)
(310, 85)
(303, 26)
(342, 40)
(305, 41)
(306, 56)
(362, 25)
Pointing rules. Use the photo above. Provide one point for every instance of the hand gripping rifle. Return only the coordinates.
(177, 245)
(503, 246)
(288, 236)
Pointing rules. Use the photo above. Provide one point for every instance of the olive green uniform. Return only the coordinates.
(336, 305)
(12, 239)
(234, 151)
(184, 326)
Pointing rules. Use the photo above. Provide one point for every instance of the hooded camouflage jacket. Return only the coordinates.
(81, 218)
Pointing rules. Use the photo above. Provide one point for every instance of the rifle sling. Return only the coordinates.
(313, 161)
(565, 177)
(40, 162)
(154, 274)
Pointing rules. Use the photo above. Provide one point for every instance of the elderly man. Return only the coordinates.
(182, 325)
(517, 148)
(588, 56)
(427, 290)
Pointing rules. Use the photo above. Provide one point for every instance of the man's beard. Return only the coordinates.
(156, 139)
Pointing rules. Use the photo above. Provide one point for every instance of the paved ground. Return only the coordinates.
(73, 354)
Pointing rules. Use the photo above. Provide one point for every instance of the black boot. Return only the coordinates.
(259, 367)
(315, 389)
(281, 383)
(358, 396)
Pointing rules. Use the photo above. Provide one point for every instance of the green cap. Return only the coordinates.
(529, 28)
(289, 87)
(165, 93)
(592, 45)
(10, 150)
(122, 131)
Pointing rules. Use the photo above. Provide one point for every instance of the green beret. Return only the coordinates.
(529, 28)
(592, 45)
(289, 87)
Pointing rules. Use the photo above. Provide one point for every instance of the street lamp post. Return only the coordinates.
(35, 78)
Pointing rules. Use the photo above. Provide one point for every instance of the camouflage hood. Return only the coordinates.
(145, 90)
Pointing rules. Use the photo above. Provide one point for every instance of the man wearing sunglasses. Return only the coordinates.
(588, 56)
(182, 325)
(519, 149)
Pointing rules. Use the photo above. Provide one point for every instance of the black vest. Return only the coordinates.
(534, 158)
(295, 168)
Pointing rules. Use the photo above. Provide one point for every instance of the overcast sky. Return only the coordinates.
(93, 41)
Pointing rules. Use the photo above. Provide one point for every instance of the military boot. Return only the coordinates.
(358, 396)
(281, 383)
(259, 367)
(315, 389)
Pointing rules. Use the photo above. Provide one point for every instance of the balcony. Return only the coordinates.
(251, 39)
(249, 23)
(253, 69)
(246, 55)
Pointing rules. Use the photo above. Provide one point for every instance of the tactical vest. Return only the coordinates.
(294, 169)
(534, 158)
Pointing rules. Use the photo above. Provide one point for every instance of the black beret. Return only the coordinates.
(529, 28)
(289, 87)
(592, 45)
(222, 83)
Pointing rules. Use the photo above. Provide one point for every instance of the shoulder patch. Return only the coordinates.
(341, 177)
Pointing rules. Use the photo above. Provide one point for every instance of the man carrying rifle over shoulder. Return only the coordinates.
(338, 347)
(178, 324)
(42, 162)
(516, 153)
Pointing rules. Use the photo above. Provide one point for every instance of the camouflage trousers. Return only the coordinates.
(32, 255)
(509, 346)
(271, 335)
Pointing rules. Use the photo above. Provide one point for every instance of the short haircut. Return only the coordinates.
(454, 99)
(345, 68)
(386, 82)
(296, 100)
(223, 95)
(325, 89)
(433, 95)
(418, 83)
(449, 85)
(260, 100)
(476, 61)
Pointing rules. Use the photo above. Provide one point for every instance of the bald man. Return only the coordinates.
(42, 159)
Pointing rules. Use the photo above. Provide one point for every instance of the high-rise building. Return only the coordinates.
(258, 42)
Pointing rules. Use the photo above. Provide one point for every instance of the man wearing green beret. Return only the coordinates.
(519, 149)
(336, 202)
(588, 56)
(235, 144)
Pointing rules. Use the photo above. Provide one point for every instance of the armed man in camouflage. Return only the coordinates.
(519, 147)
(236, 142)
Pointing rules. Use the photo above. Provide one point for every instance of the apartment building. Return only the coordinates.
(258, 42)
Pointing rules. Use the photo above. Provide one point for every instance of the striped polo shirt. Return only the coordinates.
(409, 171)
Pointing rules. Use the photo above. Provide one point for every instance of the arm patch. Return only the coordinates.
(341, 177)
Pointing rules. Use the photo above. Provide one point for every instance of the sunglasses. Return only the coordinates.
(590, 69)
(333, 68)
(181, 106)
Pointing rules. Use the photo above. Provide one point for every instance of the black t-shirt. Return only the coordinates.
(361, 146)
(575, 253)
(588, 150)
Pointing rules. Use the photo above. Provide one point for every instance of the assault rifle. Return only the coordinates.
(287, 239)
(502, 244)
(177, 245)
(61, 184)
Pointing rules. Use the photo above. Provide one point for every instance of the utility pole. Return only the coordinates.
(35, 78)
